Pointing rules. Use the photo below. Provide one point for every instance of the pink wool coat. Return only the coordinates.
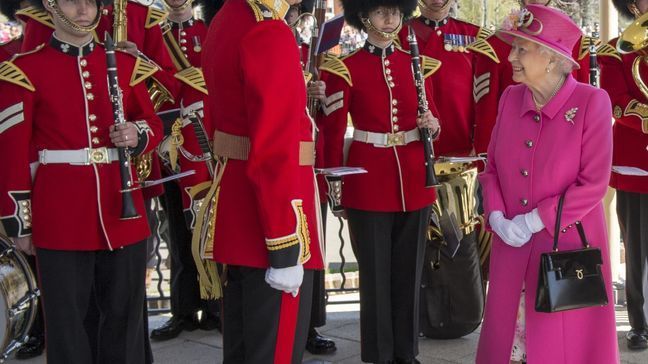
(532, 158)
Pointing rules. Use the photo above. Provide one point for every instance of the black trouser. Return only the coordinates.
(390, 251)
(318, 309)
(67, 279)
(632, 210)
(185, 291)
(259, 321)
(37, 329)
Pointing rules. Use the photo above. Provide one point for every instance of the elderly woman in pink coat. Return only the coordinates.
(553, 135)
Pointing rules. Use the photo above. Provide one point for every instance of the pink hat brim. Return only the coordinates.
(508, 36)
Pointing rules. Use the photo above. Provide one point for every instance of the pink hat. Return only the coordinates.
(543, 25)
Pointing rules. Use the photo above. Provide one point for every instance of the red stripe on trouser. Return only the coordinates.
(287, 327)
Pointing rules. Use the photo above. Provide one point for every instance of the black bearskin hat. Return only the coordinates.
(306, 6)
(209, 8)
(38, 4)
(354, 10)
(622, 8)
(9, 8)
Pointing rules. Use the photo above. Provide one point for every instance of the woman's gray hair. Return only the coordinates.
(563, 64)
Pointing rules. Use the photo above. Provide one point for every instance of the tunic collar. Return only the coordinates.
(377, 51)
(434, 23)
(555, 104)
(71, 49)
(182, 25)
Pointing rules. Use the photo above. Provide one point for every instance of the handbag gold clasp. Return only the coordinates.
(579, 273)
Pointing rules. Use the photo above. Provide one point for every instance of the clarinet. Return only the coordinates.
(314, 60)
(426, 135)
(128, 207)
(594, 71)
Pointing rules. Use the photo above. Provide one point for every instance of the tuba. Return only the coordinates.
(635, 40)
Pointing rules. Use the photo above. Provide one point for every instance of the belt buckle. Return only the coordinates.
(98, 155)
(394, 139)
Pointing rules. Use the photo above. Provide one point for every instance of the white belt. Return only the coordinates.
(84, 156)
(384, 140)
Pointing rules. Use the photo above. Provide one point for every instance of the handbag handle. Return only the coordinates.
(579, 226)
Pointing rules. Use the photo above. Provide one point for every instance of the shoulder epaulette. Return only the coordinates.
(585, 44)
(607, 50)
(9, 72)
(336, 66)
(262, 12)
(39, 15)
(482, 46)
(484, 33)
(429, 66)
(193, 77)
(154, 17)
(142, 71)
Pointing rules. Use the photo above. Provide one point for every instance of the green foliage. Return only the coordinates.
(490, 13)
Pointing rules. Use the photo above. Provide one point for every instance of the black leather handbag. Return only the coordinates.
(570, 279)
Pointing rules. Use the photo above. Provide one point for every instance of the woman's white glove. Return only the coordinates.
(530, 222)
(285, 279)
(507, 230)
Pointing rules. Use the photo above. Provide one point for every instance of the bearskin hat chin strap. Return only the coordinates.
(183, 6)
(72, 25)
(443, 7)
(386, 35)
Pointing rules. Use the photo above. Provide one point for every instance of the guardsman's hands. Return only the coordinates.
(25, 245)
(129, 47)
(427, 120)
(124, 135)
(317, 89)
(287, 279)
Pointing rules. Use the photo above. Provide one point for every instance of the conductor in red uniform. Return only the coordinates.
(262, 209)
(62, 200)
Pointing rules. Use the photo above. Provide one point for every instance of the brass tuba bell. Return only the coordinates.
(635, 40)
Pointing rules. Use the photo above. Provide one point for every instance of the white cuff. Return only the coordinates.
(533, 221)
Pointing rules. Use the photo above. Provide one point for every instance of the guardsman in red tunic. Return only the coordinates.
(144, 39)
(62, 200)
(187, 148)
(388, 207)
(446, 39)
(630, 111)
(260, 212)
(493, 74)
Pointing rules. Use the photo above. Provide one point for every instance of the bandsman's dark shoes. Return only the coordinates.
(637, 339)
(317, 344)
(174, 326)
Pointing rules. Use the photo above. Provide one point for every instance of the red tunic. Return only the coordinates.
(257, 91)
(453, 82)
(377, 90)
(143, 29)
(73, 207)
(630, 110)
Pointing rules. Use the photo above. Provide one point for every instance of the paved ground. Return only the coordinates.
(200, 347)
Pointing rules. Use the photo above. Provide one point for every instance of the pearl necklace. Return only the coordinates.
(553, 93)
